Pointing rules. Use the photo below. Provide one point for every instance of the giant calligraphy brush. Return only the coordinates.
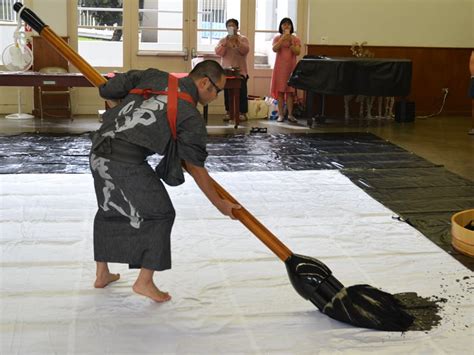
(359, 305)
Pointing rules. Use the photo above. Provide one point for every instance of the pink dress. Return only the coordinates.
(285, 63)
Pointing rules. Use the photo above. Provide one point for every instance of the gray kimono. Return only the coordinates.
(135, 215)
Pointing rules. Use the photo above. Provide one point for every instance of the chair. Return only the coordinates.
(45, 91)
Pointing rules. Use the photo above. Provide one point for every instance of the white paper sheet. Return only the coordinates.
(230, 293)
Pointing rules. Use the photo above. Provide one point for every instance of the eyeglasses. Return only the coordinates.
(218, 89)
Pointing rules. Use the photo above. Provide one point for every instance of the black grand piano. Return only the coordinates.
(350, 76)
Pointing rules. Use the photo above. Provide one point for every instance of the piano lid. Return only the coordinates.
(353, 76)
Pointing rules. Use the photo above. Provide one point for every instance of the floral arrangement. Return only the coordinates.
(359, 51)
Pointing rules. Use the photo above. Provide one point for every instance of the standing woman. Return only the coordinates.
(287, 46)
(233, 50)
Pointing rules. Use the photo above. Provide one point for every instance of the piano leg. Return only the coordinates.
(309, 108)
(322, 114)
(370, 102)
(347, 99)
(319, 117)
(380, 100)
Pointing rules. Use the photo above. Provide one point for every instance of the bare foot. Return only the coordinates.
(103, 280)
(149, 289)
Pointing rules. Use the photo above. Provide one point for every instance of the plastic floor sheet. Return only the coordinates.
(426, 198)
(230, 293)
(29, 153)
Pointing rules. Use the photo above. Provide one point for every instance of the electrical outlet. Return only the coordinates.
(444, 90)
(324, 39)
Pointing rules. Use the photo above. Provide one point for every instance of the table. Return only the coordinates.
(233, 83)
(30, 78)
(351, 76)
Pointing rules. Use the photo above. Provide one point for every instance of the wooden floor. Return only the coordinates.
(442, 140)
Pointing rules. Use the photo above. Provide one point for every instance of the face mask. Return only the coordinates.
(231, 31)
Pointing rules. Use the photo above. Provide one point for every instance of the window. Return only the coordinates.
(8, 23)
(268, 14)
(160, 25)
(100, 32)
(212, 15)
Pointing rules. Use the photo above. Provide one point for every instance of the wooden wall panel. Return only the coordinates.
(433, 69)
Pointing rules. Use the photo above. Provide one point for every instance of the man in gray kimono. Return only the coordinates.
(157, 114)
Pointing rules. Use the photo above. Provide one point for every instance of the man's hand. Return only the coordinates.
(112, 103)
(225, 207)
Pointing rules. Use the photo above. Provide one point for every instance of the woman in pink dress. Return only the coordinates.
(287, 46)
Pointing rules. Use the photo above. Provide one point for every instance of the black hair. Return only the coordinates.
(232, 20)
(207, 68)
(283, 20)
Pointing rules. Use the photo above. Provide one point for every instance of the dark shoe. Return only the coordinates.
(258, 130)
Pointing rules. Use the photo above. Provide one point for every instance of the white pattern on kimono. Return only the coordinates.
(144, 115)
(98, 164)
(134, 216)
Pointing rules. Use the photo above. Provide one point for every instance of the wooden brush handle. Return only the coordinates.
(244, 216)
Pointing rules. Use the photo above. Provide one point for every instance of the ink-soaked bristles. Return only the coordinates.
(367, 307)
(425, 310)
(360, 305)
